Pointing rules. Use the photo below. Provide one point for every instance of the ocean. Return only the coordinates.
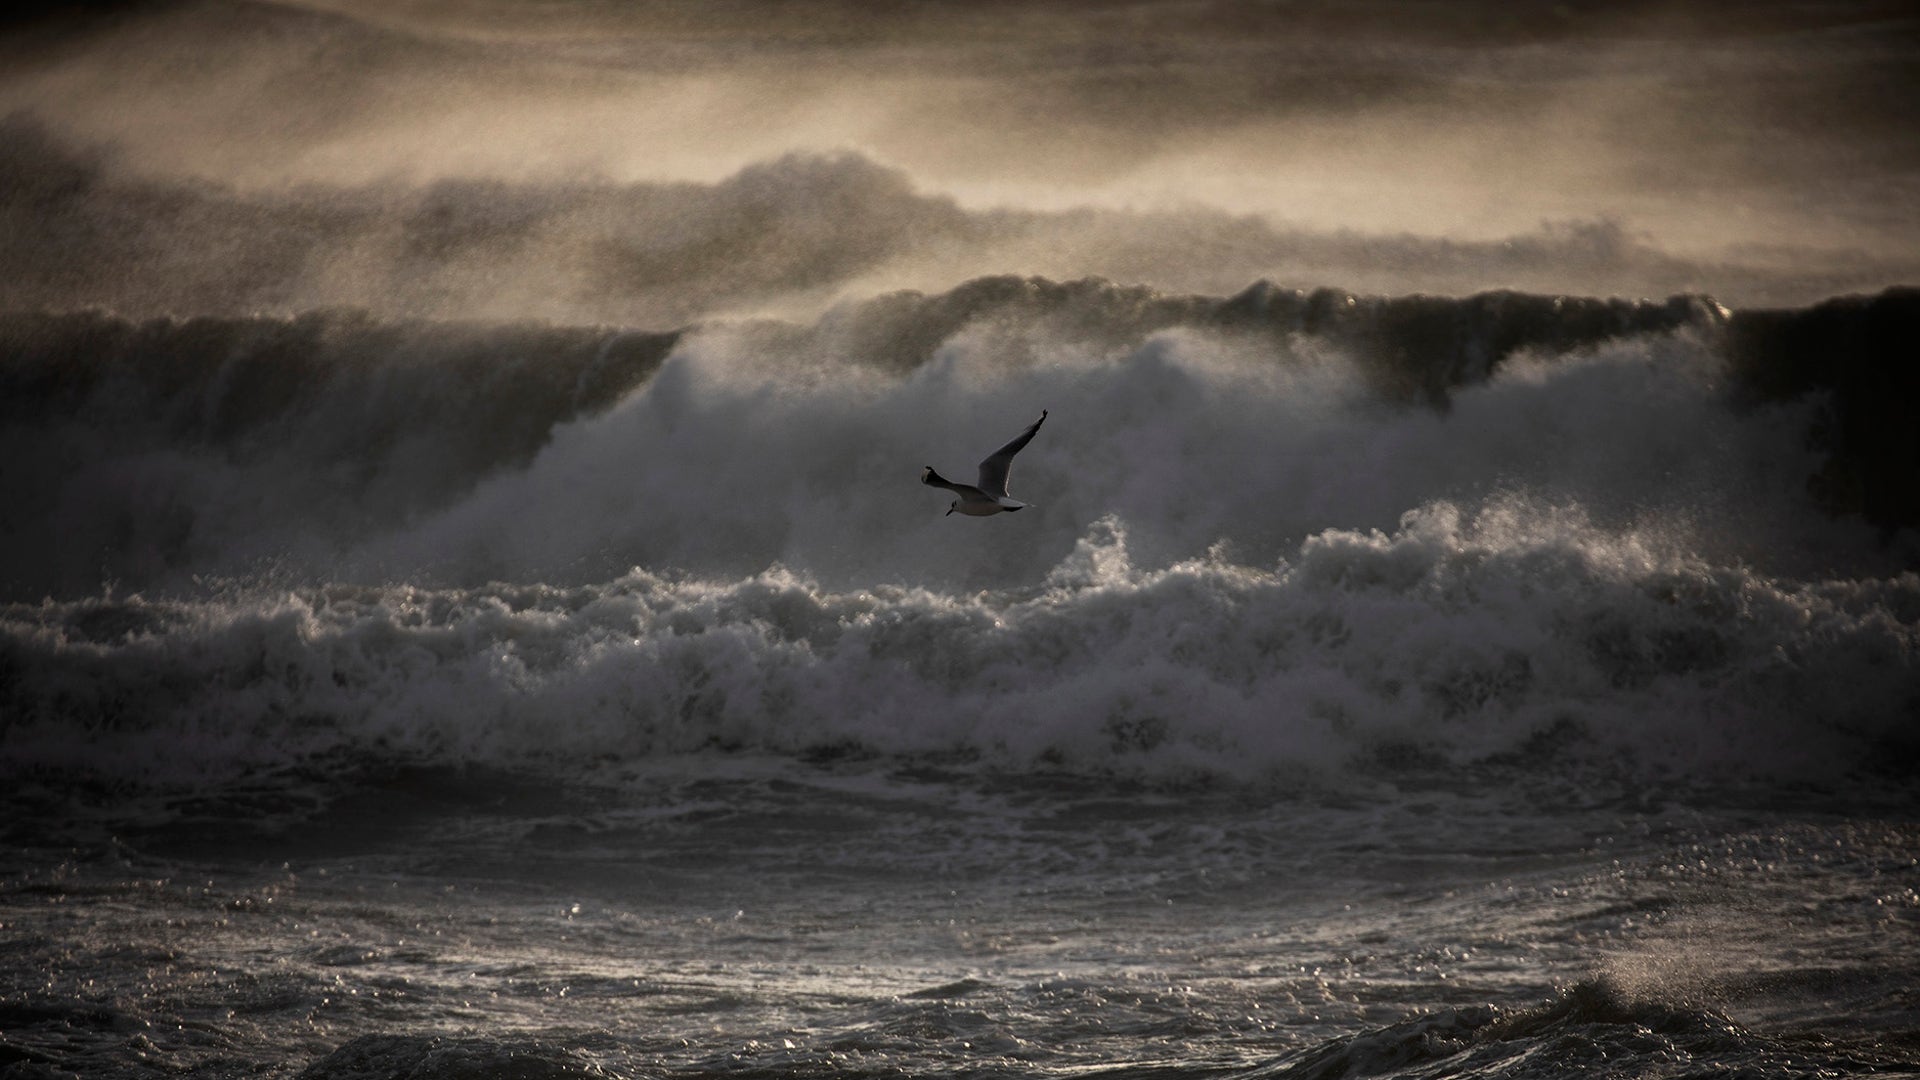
(479, 623)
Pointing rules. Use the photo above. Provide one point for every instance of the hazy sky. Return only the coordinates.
(1763, 152)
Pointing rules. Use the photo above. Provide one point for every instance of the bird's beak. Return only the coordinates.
(948, 513)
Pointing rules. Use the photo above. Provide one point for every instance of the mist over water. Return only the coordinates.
(467, 608)
(662, 164)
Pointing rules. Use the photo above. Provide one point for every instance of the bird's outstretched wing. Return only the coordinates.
(928, 476)
(993, 471)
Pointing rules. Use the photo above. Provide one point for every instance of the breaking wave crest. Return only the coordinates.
(1503, 637)
(149, 455)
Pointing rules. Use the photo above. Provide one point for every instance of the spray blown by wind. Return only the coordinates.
(653, 165)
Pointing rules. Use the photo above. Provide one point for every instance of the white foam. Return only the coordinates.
(1509, 634)
(728, 462)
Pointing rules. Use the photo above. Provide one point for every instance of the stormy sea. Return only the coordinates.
(469, 608)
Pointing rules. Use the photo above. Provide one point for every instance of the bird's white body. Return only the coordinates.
(982, 505)
(990, 495)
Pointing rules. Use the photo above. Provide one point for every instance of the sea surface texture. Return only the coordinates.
(468, 608)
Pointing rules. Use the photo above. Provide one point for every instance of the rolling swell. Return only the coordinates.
(143, 449)
(1592, 1028)
(1858, 352)
(450, 1058)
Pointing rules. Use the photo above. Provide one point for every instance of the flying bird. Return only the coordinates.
(990, 496)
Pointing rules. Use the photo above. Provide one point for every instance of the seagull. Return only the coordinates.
(990, 497)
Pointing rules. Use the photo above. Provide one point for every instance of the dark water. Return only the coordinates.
(488, 625)
(766, 917)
